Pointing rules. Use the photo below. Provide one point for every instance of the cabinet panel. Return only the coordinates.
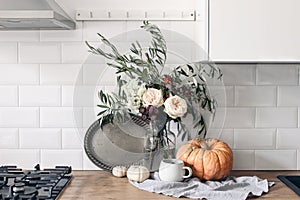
(254, 30)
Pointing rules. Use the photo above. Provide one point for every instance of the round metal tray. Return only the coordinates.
(116, 144)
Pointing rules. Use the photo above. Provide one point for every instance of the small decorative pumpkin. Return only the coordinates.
(210, 159)
(137, 173)
(119, 171)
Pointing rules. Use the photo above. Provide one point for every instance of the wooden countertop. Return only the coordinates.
(89, 185)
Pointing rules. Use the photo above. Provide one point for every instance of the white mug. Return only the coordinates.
(173, 170)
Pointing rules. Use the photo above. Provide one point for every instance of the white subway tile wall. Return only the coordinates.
(112, 29)
(39, 96)
(40, 138)
(71, 157)
(237, 117)
(298, 159)
(88, 164)
(49, 84)
(288, 138)
(239, 74)
(61, 74)
(19, 117)
(254, 138)
(298, 117)
(72, 138)
(8, 52)
(80, 96)
(276, 159)
(74, 52)
(39, 52)
(9, 138)
(19, 74)
(62, 36)
(11, 96)
(277, 117)
(64, 117)
(277, 74)
(244, 159)
(255, 96)
(24, 36)
(25, 158)
(289, 96)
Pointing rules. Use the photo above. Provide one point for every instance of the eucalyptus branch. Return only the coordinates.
(159, 47)
(135, 65)
(143, 65)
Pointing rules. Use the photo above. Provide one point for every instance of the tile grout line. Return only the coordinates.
(19, 141)
(18, 53)
(298, 67)
(61, 139)
(235, 96)
(82, 162)
(234, 138)
(255, 118)
(255, 164)
(61, 52)
(277, 96)
(296, 159)
(39, 117)
(40, 157)
(18, 92)
(82, 28)
(298, 117)
(40, 74)
(276, 139)
(61, 95)
(256, 74)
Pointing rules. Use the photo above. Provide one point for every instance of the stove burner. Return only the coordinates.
(37, 184)
(19, 187)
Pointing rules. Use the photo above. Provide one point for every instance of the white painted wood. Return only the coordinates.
(121, 15)
(254, 30)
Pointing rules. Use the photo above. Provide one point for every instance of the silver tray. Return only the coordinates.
(116, 144)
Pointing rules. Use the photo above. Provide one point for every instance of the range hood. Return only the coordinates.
(33, 15)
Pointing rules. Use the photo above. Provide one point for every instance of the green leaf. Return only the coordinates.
(183, 72)
(103, 106)
(103, 97)
(190, 68)
(101, 113)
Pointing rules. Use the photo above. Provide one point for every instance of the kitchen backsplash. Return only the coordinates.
(42, 121)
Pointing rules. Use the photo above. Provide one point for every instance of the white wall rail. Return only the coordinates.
(135, 15)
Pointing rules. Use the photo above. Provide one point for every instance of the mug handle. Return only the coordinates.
(190, 172)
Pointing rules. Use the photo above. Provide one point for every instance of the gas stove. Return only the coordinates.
(18, 184)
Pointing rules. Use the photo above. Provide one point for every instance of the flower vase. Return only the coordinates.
(157, 146)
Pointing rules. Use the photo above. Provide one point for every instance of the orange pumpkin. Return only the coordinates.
(210, 159)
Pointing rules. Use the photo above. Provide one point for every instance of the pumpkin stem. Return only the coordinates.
(204, 145)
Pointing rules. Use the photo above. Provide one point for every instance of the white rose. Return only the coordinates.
(175, 106)
(131, 87)
(135, 102)
(153, 97)
(142, 89)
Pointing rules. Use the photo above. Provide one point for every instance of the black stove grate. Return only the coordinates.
(37, 184)
(292, 182)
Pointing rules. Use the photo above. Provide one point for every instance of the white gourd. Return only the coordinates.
(119, 171)
(137, 173)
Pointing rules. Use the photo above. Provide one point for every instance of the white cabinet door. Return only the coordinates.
(254, 30)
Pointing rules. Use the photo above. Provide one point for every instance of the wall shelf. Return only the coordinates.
(136, 15)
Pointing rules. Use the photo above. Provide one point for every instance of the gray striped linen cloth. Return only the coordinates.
(232, 188)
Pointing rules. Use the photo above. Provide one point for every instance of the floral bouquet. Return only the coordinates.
(158, 99)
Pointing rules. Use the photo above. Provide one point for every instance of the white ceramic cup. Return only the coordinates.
(173, 170)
